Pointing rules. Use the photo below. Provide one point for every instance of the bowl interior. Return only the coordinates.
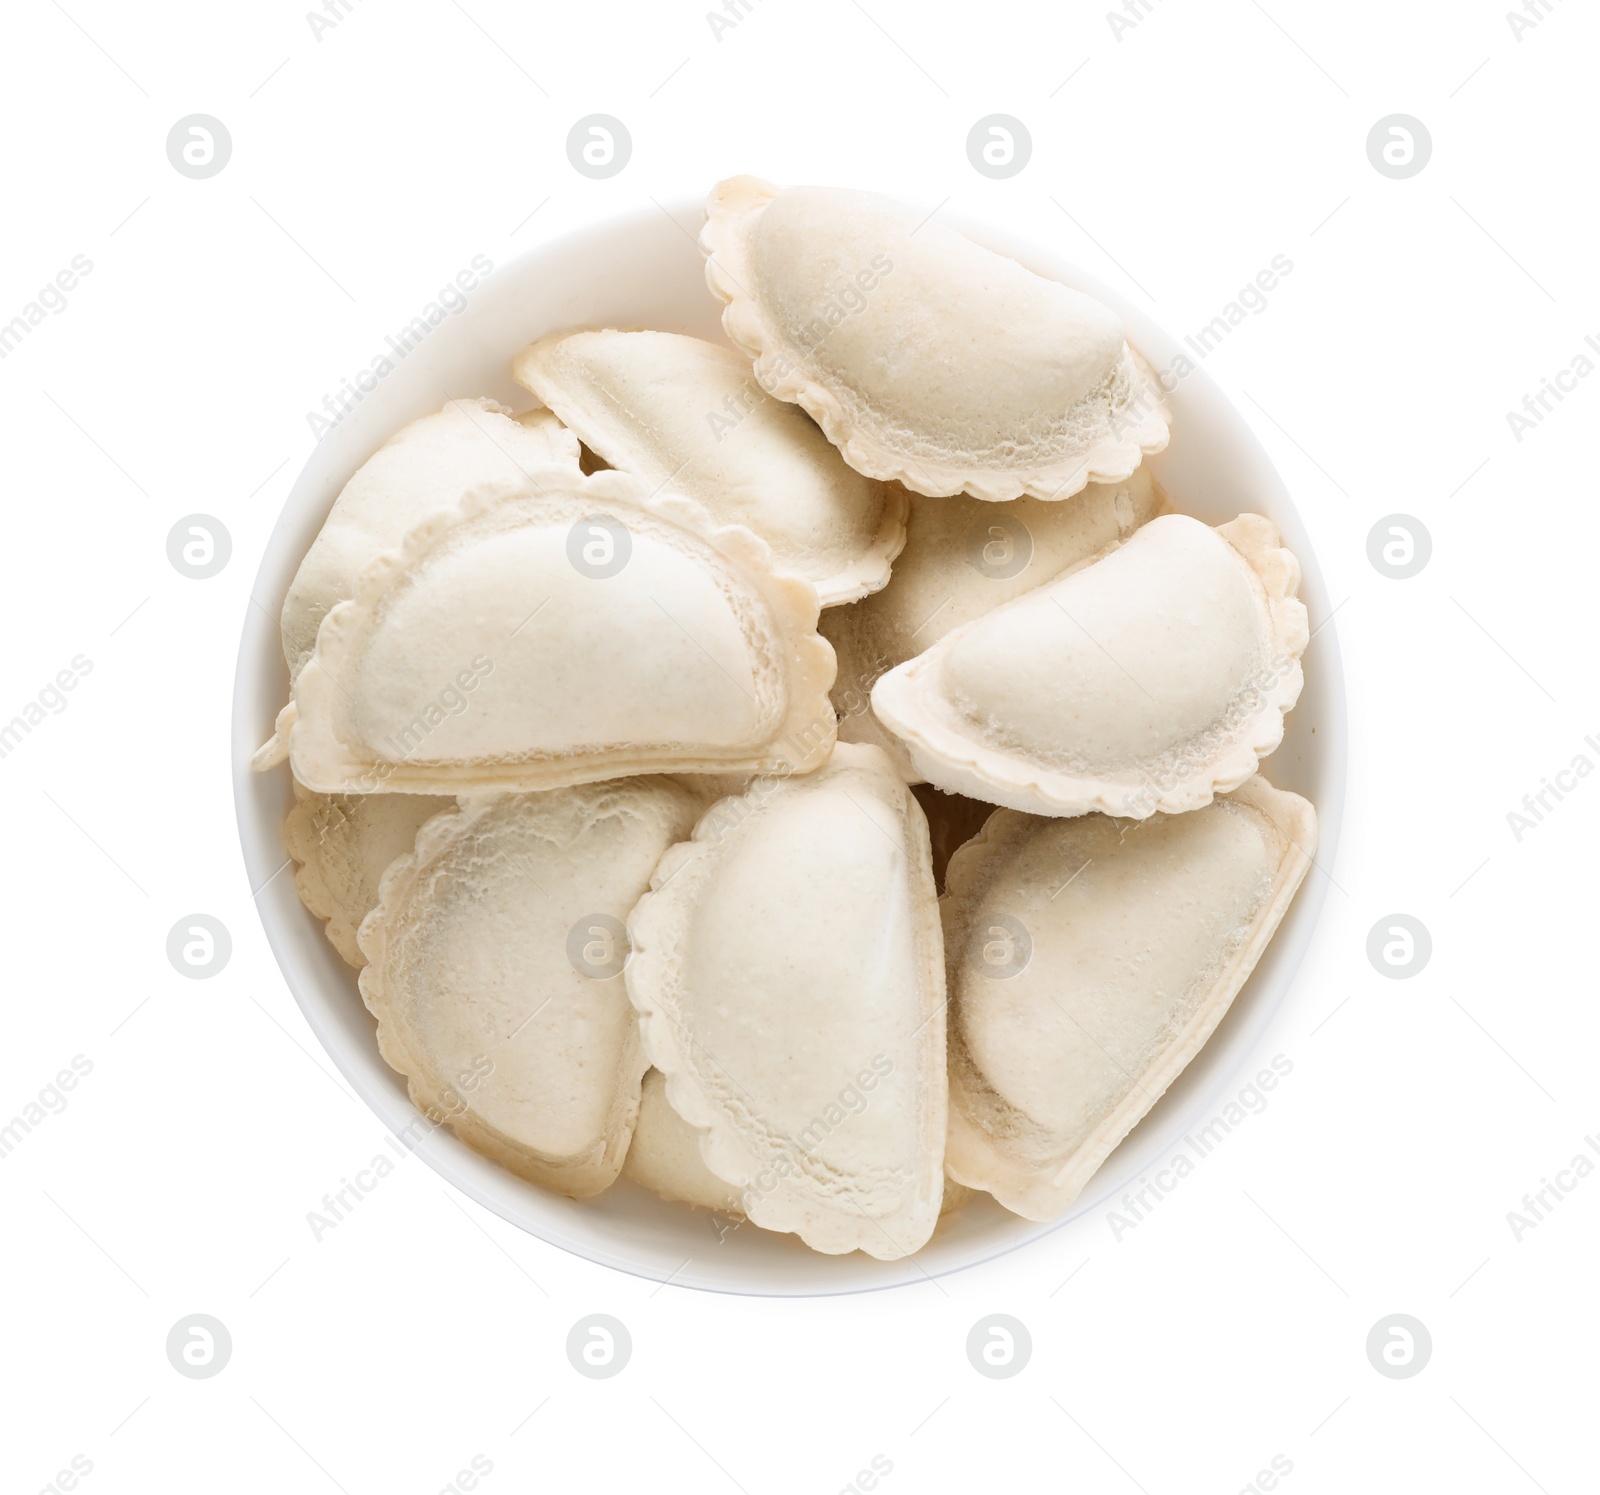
(645, 271)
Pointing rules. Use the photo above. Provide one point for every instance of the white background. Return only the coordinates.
(1174, 162)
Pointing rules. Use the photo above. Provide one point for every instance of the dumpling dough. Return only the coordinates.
(926, 358)
(687, 414)
(664, 1155)
(1088, 961)
(953, 820)
(1146, 680)
(788, 972)
(343, 843)
(496, 955)
(962, 559)
(579, 631)
(424, 467)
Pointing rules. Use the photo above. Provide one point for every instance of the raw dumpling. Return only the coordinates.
(962, 559)
(1149, 679)
(687, 414)
(664, 1155)
(926, 358)
(1088, 961)
(953, 820)
(496, 954)
(343, 843)
(788, 972)
(955, 1195)
(424, 467)
(578, 631)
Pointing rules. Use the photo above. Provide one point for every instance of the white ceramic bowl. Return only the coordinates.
(646, 271)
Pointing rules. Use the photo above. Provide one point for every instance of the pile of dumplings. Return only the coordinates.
(815, 777)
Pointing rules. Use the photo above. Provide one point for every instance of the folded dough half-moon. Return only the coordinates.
(1148, 679)
(788, 973)
(1088, 961)
(424, 467)
(664, 1155)
(574, 630)
(963, 558)
(927, 358)
(343, 844)
(495, 957)
(686, 413)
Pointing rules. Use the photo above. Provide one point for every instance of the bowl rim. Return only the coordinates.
(457, 1165)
